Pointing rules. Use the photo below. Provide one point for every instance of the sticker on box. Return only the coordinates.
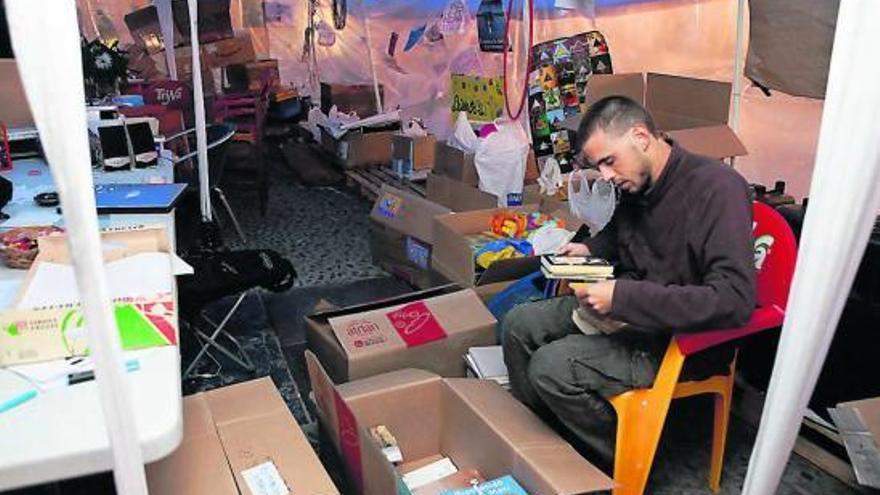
(418, 253)
(364, 333)
(416, 324)
(389, 205)
(264, 479)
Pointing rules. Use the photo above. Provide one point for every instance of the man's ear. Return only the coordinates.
(642, 137)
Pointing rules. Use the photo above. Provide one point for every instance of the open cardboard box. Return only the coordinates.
(402, 235)
(453, 256)
(57, 332)
(692, 111)
(229, 430)
(358, 148)
(859, 425)
(431, 329)
(458, 196)
(473, 422)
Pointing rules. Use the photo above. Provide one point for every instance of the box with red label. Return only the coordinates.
(481, 429)
(431, 330)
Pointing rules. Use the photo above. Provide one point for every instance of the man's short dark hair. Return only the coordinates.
(614, 115)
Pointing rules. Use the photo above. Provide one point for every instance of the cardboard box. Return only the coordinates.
(259, 70)
(420, 329)
(459, 196)
(859, 425)
(419, 151)
(692, 111)
(473, 422)
(453, 256)
(358, 148)
(455, 164)
(58, 331)
(237, 50)
(360, 99)
(402, 235)
(232, 429)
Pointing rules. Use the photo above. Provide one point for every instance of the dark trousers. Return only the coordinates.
(564, 375)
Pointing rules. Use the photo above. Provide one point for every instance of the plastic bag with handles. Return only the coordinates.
(593, 205)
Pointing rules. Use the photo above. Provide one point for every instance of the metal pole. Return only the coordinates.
(369, 38)
(843, 207)
(166, 23)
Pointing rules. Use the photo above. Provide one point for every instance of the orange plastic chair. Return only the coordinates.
(641, 413)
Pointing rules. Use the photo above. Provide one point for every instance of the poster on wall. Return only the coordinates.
(482, 98)
(490, 26)
(558, 88)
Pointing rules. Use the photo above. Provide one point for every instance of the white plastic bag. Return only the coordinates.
(463, 136)
(549, 239)
(550, 179)
(500, 160)
(594, 206)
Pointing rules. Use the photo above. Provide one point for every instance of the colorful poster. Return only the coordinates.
(482, 98)
(557, 89)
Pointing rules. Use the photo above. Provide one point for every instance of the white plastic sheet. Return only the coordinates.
(51, 68)
(843, 205)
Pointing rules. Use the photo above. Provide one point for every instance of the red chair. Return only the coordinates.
(641, 413)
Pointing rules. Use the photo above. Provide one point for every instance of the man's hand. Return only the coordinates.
(574, 249)
(598, 296)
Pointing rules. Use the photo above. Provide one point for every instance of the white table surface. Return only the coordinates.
(61, 433)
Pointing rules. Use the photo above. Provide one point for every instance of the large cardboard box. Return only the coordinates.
(14, 108)
(453, 255)
(692, 111)
(420, 329)
(233, 429)
(402, 235)
(58, 331)
(473, 422)
(358, 148)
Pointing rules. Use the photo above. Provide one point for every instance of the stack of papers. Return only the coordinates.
(487, 363)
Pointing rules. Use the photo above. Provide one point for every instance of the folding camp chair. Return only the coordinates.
(641, 413)
(218, 275)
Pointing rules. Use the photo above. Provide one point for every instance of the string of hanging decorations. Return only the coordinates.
(309, 55)
(340, 14)
(531, 40)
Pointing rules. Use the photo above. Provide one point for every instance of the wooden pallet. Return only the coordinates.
(368, 181)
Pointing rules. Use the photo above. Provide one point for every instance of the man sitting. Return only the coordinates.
(681, 241)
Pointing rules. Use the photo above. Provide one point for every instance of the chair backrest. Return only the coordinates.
(170, 121)
(775, 257)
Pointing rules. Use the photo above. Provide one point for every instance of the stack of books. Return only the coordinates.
(487, 363)
(579, 268)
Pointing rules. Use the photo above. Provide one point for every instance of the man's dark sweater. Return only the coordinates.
(683, 249)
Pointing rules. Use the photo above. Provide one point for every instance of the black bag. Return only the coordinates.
(226, 273)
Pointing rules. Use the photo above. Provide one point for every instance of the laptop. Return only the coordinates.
(137, 198)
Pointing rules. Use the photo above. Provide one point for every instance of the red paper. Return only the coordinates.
(416, 325)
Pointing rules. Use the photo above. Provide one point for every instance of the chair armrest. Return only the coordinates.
(763, 318)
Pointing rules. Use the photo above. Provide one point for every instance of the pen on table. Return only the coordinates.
(85, 376)
(18, 400)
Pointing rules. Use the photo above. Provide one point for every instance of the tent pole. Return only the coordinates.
(59, 112)
(379, 109)
(738, 64)
(166, 23)
(199, 106)
(843, 208)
